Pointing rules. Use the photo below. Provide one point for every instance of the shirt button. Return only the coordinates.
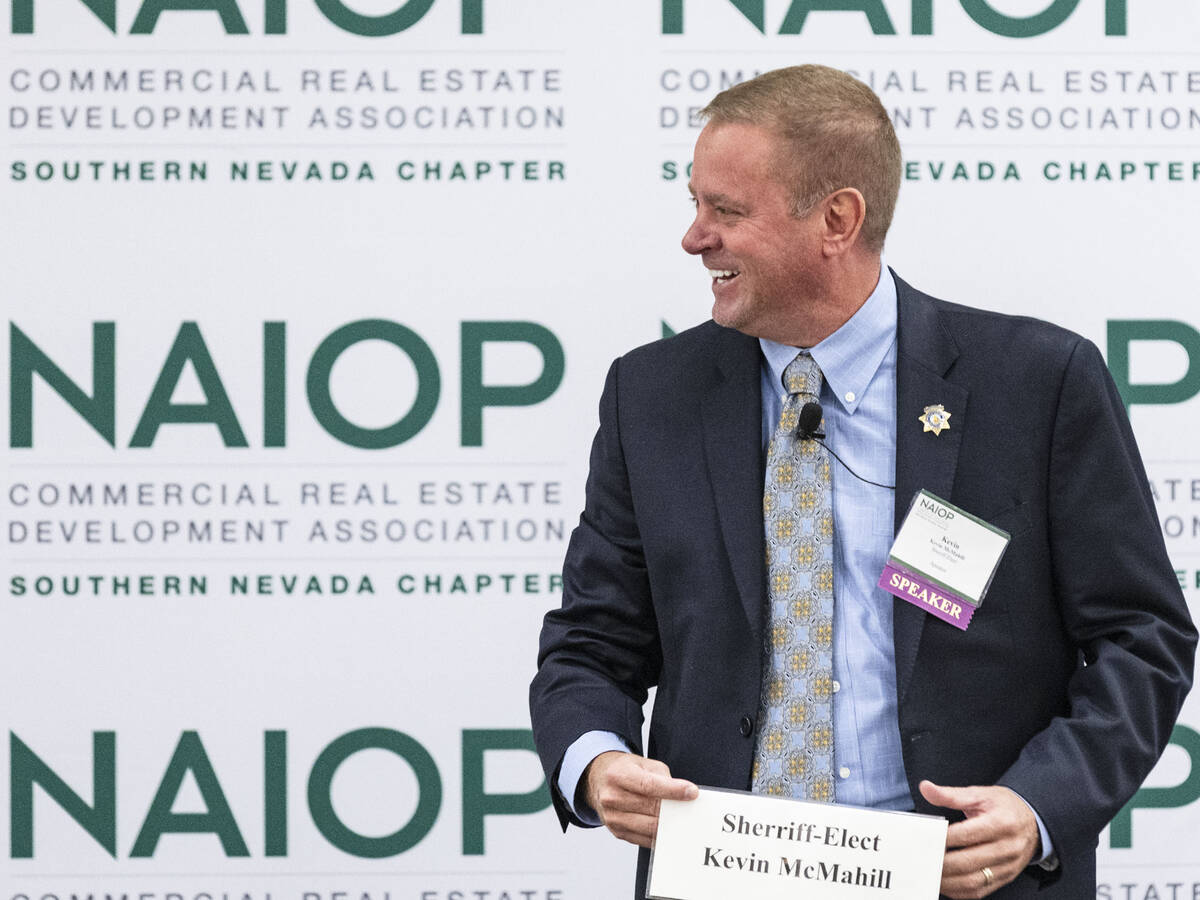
(844, 772)
(746, 726)
(837, 686)
(849, 396)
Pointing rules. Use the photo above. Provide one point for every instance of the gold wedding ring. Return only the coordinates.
(988, 877)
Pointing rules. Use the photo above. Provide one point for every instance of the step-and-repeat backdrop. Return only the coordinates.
(309, 304)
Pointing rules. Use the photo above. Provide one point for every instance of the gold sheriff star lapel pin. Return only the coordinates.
(935, 418)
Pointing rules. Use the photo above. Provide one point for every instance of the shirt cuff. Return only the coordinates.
(1048, 860)
(577, 758)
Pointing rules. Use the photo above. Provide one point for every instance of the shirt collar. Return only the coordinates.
(850, 357)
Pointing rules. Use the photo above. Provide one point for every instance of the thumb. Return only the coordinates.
(960, 798)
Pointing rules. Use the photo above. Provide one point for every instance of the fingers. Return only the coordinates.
(975, 883)
(636, 829)
(653, 779)
(963, 868)
(996, 825)
(625, 790)
(991, 846)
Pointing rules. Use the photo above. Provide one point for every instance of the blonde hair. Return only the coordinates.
(837, 135)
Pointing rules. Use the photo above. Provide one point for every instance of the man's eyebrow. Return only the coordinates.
(717, 199)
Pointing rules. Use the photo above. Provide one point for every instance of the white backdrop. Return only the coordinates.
(520, 162)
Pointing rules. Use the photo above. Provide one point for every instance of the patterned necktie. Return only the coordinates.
(794, 754)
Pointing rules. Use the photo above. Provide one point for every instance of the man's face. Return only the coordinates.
(761, 258)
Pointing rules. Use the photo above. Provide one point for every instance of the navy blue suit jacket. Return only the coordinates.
(1068, 681)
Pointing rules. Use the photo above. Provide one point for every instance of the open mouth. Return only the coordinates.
(723, 276)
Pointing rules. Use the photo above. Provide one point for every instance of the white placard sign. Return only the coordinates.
(731, 843)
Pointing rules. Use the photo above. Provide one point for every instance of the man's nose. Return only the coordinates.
(699, 237)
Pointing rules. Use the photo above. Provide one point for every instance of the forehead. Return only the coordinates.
(735, 157)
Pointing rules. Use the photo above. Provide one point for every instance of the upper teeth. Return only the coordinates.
(721, 273)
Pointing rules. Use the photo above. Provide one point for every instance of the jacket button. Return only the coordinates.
(746, 726)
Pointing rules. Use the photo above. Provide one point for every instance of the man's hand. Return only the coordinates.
(624, 789)
(998, 838)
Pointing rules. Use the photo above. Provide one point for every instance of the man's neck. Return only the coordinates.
(839, 297)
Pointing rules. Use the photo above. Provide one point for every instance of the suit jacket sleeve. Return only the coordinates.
(599, 653)
(1120, 605)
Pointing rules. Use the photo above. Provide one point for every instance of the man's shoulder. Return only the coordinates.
(974, 330)
(699, 348)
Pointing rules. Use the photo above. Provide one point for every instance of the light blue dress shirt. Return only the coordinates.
(858, 398)
(859, 401)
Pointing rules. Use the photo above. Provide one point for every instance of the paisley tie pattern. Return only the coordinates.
(794, 751)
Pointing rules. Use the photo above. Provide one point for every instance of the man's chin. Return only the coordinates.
(739, 319)
(729, 315)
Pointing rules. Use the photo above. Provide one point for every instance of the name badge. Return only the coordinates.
(943, 559)
(733, 844)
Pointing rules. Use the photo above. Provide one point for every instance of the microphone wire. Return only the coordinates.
(810, 418)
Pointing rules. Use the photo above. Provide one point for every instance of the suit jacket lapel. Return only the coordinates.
(731, 411)
(926, 351)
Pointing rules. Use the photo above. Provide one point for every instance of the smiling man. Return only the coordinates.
(725, 559)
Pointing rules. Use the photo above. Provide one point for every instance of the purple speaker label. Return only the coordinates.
(921, 592)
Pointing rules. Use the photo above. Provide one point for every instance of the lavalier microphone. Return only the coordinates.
(809, 421)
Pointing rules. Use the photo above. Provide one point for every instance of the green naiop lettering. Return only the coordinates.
(189, 756)
(98, 409)
(477, 803)
(1123, 332)
(274, 16)
(476, 395)
(981, 12)
(1120, 833)
(189, 347)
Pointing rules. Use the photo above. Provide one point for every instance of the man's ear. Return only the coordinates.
(843, 213)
